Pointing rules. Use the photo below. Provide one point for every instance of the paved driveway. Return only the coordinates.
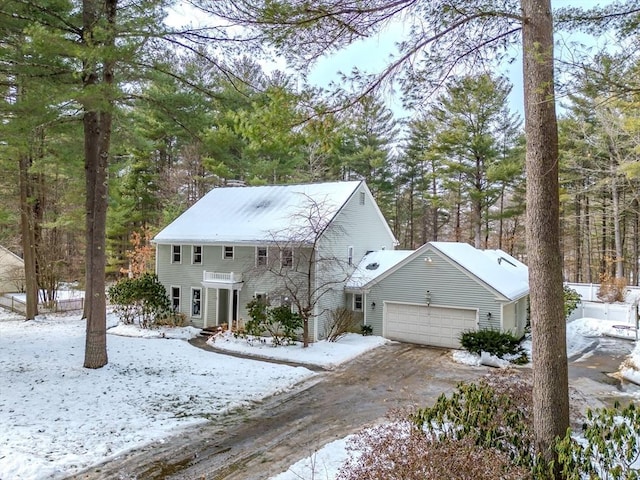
(266, 440)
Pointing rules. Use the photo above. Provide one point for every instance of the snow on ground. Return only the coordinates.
(323, 354)
(581, 335)
(58, 417)
(321, 464)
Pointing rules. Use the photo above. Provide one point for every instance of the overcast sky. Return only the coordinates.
(372, 54)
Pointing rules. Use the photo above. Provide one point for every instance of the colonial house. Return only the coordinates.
(286, 243)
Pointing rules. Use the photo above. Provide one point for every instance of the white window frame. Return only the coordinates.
(173, 297)
(195, 301)
(350, 255)
(224, 252)
(265, 257)
(174, 252)
(289, 256)
(362, 197)
(355, 302)
(193, 254)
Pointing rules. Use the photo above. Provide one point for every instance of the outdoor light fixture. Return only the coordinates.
(427, 260)
(373, 305)
(428, 298)
(489, 316)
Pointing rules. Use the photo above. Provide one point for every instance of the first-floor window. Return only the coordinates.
(357, 302)
(196, 302)
(175, 298)
(176, 253)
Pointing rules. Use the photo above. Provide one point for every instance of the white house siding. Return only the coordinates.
(509, 318)
(522, 307)
(449, 286)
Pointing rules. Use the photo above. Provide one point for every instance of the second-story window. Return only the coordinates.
(197, 254)
(287, 257)
(227, 253)
(176, 253)
(261, 256)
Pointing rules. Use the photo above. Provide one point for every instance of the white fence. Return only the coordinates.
(589, 292)
(18, 305)
(591, 307)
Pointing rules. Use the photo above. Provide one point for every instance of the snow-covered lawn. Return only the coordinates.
(322, 354)
(58, 417)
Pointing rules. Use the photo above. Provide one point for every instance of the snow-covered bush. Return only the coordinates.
(482, 431)
(608, 449)
(493, 342)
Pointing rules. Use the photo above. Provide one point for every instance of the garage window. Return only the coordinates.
(357, 302)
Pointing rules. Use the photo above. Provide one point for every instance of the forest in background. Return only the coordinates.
(188, 118)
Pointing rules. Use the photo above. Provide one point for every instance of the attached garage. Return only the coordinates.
(433, 294)
(427, 325)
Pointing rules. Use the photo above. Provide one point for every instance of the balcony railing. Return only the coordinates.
(221, 277)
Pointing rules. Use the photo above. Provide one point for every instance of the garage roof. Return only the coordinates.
(496, 268)
(374, 265)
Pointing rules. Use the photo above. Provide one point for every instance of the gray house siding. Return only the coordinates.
(360, 225)
(448, 285)
(188, 276)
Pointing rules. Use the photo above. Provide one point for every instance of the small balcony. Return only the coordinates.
(227, 280)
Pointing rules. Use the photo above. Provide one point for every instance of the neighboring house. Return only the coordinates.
(240, 243)
(433, 294)
(11, 272)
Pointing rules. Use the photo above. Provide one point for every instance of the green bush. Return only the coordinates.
(140, 300)
(611, 446)
(495, 413)
(280, 323)
(491, 341)
(571, 300)
(366, 330)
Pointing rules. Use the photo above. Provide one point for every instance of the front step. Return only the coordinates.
(209, 331)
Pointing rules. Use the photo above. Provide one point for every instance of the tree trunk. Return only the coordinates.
(617, 221)
(550, 375)
(634, 244)
(28, 240)
(97, 137)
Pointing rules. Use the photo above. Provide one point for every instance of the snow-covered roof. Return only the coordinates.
(496, 268)
(374, 264)
(256, 214)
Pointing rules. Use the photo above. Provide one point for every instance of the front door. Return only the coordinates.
(223, 306)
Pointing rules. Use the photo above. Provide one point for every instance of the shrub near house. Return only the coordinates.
(142, 301)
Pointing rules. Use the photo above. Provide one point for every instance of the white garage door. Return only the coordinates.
(436, 326)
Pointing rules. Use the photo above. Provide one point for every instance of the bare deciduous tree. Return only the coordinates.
(303, 267)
